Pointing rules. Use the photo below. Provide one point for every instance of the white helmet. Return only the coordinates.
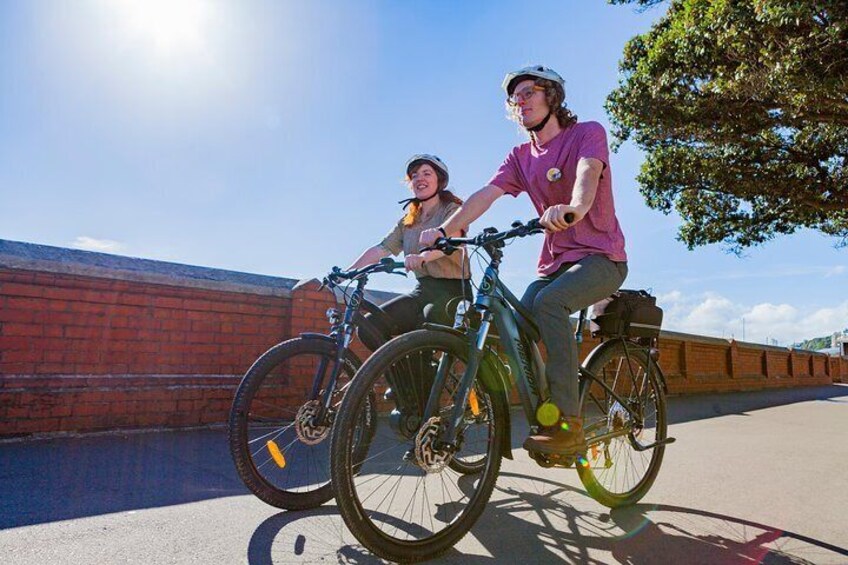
(427, 158)
(537, 71)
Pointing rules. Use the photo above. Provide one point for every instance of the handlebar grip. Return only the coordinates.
(534, 223)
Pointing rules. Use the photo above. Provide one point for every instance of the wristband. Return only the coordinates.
(444, 233)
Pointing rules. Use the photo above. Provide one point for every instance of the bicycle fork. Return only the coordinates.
(477, 343)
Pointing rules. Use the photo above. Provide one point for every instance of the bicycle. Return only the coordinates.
(284, 407)
(382, 493)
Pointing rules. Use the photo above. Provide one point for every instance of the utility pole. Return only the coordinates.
(743, 328)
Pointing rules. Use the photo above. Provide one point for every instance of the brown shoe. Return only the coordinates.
(565, 438)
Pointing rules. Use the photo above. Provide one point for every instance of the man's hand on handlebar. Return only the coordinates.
(555, 218)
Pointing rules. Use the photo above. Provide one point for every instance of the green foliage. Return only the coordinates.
(815, 344)
(742, 110)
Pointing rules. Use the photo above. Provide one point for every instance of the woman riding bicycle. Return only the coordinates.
(440, 279)
(564, 169)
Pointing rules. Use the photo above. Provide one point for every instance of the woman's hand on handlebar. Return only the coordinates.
(415, 261)
(554, 218)
(428, 237)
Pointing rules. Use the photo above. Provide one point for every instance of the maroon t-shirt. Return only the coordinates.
(547, 173)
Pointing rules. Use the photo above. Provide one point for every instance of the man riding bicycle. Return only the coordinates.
(564, 169)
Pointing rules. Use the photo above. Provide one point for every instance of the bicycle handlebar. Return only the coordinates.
(385, 265)
(448, 245)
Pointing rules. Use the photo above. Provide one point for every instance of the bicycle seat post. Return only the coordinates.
(578, 334)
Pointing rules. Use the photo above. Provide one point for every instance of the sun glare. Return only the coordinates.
(170, 26)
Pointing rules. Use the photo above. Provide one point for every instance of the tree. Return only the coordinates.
(742, 110)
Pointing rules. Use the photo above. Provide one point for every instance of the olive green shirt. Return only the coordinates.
(403, 238)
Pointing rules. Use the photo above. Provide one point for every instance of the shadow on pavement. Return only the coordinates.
(528, 525)
(73, 477)
(702, 406)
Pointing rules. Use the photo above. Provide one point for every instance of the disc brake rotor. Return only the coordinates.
(306, 431)
(427, 457)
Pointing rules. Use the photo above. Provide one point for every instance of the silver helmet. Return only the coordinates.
(537, 71)
(427, 158)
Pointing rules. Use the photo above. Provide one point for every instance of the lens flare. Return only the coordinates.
(547, 414)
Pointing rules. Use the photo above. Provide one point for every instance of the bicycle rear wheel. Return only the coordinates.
(615, 471)
(402, 498)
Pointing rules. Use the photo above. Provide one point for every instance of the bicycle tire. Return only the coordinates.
(363, 523)
(250, 472)
(596, 406)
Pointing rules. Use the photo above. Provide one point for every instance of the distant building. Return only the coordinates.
(838, 345)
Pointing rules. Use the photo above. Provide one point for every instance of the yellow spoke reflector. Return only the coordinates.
(472, 400)
(276, 454)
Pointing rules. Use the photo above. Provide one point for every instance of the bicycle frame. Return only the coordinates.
(497, 304)
(341, 332)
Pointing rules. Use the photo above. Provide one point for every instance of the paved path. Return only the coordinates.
(753, 478)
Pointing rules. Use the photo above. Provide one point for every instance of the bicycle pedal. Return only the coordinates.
(548, 460)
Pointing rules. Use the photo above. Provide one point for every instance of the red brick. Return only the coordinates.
(167, 302)
(21, 356)
(14, 329)
(17, 276)
(19, 289)
(79, 332)
(9, 343)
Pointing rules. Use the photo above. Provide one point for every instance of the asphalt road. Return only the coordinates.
(752, 478)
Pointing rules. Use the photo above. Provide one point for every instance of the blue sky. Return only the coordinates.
(270, 137)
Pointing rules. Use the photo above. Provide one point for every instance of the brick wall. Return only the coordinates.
(93, 342)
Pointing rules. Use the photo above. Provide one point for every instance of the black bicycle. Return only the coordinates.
(284, 408)
(401, 496)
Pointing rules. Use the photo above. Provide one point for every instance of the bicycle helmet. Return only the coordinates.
(427, 158)
(534, 71)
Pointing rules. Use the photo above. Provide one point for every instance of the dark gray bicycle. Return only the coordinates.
(284, 408)
(401, 495)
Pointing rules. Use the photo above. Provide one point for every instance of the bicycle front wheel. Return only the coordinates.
(279, 446)
(403, 498)
(616, 470)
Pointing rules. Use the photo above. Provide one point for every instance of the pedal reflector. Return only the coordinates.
(276, 454)
(475, 405)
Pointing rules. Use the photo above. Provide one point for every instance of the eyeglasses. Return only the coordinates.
(524, 95)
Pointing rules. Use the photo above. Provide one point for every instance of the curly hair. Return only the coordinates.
(555, 97)
(414, 210)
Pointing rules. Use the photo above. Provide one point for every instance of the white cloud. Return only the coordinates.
(780, 271)
(101, 245)
(711, 314)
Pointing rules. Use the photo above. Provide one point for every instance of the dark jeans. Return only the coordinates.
(433, 300)
(428, 302)
(553, 299)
